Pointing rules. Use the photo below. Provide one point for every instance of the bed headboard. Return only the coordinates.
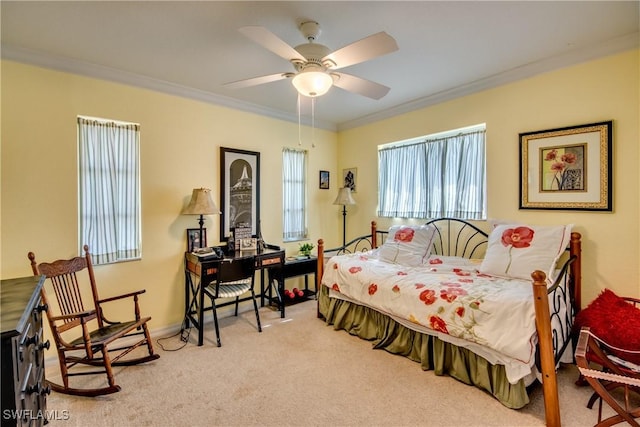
(455, 237)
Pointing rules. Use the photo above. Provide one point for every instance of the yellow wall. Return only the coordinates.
(601, 90)
(180, 140)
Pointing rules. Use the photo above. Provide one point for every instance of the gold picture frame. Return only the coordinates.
(567, 168)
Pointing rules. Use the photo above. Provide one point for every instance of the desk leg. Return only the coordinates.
(281, 292)
(201, 314)
(262, 287)
(187, 299)
(315, 285)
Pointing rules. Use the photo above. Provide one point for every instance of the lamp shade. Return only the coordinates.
(312, 83)
(201, 203)
(344, 197)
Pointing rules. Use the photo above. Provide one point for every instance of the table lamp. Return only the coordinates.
(201, 204)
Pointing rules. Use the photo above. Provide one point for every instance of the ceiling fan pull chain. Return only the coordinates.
(299, 125)
(313, 122)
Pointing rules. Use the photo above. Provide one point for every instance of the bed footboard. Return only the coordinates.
(359, 244)
(549, 348)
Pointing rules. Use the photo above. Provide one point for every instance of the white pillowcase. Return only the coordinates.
(408, 245)
(516, 250)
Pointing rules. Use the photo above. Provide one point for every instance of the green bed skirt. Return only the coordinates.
(432, 353)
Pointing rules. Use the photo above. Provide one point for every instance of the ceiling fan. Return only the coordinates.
(316, 64)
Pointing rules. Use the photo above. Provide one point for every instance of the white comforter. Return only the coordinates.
(448, 297)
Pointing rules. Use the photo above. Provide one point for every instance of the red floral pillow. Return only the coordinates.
(613, 320)
(514, 251)
(408, 245)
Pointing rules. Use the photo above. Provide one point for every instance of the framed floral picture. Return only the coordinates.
(567, 168)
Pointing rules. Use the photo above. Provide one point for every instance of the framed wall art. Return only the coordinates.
(193, 239)
(349, 177)
(239, 190)
(567, 168)
(324, 180)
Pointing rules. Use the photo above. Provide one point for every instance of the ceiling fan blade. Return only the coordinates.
(363, 50)
(256, 81)
(360, 86)
(270, 41)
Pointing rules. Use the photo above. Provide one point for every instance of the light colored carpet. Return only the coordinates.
(298, 372)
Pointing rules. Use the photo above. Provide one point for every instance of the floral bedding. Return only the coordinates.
(447, 295)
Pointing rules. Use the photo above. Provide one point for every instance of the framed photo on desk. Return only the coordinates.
(249, 244)
(193, 238)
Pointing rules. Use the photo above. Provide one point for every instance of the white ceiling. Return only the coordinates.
(446, 48)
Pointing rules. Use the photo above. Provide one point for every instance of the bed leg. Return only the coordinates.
(547, 360)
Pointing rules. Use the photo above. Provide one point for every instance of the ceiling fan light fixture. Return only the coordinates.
(312, 83)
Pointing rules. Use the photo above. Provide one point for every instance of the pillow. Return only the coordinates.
(514, 250)
(613, 320)
(408, 245)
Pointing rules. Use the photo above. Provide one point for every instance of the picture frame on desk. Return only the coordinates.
(239, 190)
(193, 239)
(249, 244)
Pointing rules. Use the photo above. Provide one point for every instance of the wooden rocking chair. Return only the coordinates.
(91, 347)
(616, 374)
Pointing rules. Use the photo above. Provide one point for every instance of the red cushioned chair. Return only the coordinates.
(608, 355)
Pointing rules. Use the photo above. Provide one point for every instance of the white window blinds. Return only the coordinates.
(439, 177)
(109, 180)
(294, 194)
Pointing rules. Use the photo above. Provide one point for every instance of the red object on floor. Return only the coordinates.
(613, 320)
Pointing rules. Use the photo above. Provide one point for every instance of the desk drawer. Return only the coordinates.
(300, 268)
(267, 262)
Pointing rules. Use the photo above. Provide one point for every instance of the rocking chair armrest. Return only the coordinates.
(78, 315)
(129, 295)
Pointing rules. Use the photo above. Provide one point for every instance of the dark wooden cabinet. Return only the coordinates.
(24, 392)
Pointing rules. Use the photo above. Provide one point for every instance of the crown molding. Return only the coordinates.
(610, 47)
(87, 69)
(46, 60)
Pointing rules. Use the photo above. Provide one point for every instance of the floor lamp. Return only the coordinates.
(344, 198)
(201, 204)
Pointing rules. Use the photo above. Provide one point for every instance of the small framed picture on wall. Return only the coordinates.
(324, 180)
(349, 177)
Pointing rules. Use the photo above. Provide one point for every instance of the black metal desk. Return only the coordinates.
(291, 268)
(200, 272)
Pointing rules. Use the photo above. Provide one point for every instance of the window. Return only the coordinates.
(294, 194)
(440, 175)
(109, 187)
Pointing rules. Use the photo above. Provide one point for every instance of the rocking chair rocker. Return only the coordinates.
(91, 347)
